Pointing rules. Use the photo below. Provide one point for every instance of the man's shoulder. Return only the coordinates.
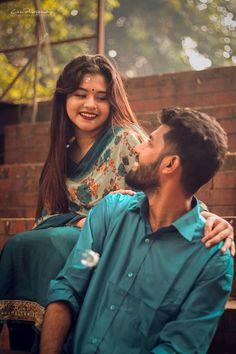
(123, 203)
(120, 199)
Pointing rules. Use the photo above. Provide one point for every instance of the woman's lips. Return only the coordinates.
(88, 116)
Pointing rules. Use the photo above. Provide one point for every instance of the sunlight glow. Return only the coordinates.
(196, 60)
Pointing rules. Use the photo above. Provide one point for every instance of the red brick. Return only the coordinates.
(223, 196)
(4, 340)
(205, 77)
(168, 88)
(12, 226)
(199, 100)
(232, 142)
(26, 143)
(225, 180)
(221, 112)
(223, 210)
(229, 125)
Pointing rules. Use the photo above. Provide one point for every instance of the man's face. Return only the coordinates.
(144, 174)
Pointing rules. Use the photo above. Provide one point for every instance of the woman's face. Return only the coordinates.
(88, 107)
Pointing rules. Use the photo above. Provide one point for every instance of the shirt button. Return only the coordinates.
(130, 275)
(94, 340)
(146, 240)
(112, 307)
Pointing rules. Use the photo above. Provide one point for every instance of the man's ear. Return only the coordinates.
(170, 164)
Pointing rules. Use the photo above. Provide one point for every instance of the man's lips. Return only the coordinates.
(88, 116)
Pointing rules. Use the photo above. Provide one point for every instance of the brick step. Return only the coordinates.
(193, 89)
(19, 189)
(225, 114)
(25, 143)
(219, 193)
(197, 102)
(12, 226)
(206, 81)
(29, 143)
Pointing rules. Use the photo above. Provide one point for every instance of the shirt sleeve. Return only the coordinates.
(72, 282)
(194, 327)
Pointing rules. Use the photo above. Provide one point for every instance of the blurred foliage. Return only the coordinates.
(172, 35)
(144, 37)
(64, 20)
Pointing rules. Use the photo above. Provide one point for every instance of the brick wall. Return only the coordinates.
(212, 91)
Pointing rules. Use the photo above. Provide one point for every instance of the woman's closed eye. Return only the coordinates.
(101, 96)
(80, 95)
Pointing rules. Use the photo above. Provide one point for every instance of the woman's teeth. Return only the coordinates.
(88, 115)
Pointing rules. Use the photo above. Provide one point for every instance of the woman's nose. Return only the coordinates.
(90, 102)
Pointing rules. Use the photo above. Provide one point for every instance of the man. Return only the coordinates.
(156, 288)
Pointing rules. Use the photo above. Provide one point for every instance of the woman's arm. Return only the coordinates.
(218, 229)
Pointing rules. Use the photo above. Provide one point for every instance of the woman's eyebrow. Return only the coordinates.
(84, 89)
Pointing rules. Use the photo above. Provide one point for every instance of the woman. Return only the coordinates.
(93, 132)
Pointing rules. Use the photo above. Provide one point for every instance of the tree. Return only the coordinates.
(144, 37)
(172, 35)
(71, 19)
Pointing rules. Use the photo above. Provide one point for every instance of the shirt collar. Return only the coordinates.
(139, 202)
(189, 225)
(192, 223)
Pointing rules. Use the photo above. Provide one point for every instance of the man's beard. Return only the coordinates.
(145, 177)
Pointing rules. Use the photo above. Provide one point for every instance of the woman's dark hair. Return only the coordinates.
(52, 184)
(200, 142)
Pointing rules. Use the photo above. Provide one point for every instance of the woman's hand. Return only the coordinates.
(123, 191)
(216, 230)
(80, 223)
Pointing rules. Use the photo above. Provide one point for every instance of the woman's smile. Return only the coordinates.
(88, 115)
(88, 106)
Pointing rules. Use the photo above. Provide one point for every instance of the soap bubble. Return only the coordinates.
(89, 258)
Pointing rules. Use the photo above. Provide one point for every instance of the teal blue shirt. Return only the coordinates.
(151, 292)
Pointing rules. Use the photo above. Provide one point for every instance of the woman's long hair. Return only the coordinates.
(52, 183)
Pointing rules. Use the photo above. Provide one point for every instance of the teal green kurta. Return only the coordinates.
(151, 292)
(31, 259)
